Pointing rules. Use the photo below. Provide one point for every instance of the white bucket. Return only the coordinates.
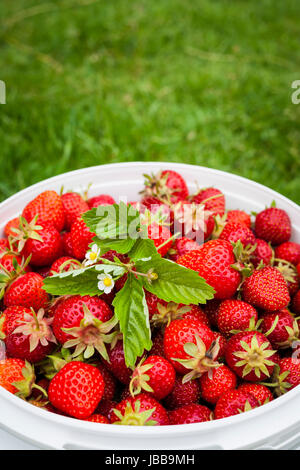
(272, 426)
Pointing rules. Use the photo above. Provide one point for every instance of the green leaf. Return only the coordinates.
(143, 248)
(175, 283)
(132, 312)
(120, 246)
(80, 281)
(115, 221)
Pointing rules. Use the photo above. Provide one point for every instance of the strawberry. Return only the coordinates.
(239, 217)
(296, 303)
(81, 238)
(101, 200)
(213, 262)
(222, 343)
(168, 186)
(262, 254)
(193, 221)
(67, 244)
(182, 246)
(213, 200)
(281, 328)
(45, 249)
(27, 291)
(4, 245)
(266, 289)
(155, 375)
(211, 311)
(235, 315)
(97, 418)
(106, 408)
(116, 363)
(11, 318)
(9, 261)
(287, 375)
(74, 205)
(45, 271)
(288, 251)
(273, 225)
(157, 345)
(109, 380)
(160, 235)
(249, 354)
(233, 403)
(76, 389)
(17, 376)
(9, 229)
(63, 264)
(32, 339)
(217, 382)
(187, 345)
(152, 303)
(298, 269)
(167, 312)
(189, 414)
(233, 232)
(83, 322)
(290, 274)
(141, 410)
(48, 207)
(260, 392)
(183, 394)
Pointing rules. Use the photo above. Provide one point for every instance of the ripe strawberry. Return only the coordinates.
(213, 200)
(193, 221)
(44, 271)
(288, 251)
(4, 245)
(67, 244)
(109, 381)
(281, 328)
(217, 382)
(182, 394)
(11, 318)
(189, 414)
(97, 418)
(160, 234)
(32, 339)
(233, 232)
(287, 374)
(213, 262)
(249, 354)
(74, 205)
(81, 238)
(9, 261)
(49, 209)
(262, 253)
(155, 375)
(235, 315)
(63, 264)
(233, 403)
(44, 250)
(10, 226)
(101, 200)
(260, 392)
(82, 321)
(182, 246)
(266, 289)
(116, 364)
(296, 303)
(298, 269)
(167, 185)
(76, 389)
(17, 376)
(141, 410)
(273, 225)
(182, 354)
(222, 342)
(211, 310)
(167, 312)
(106, 408)
(240, 217)
(27, 291)
(152, 302)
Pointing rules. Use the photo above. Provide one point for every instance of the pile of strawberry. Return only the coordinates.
(237, 352)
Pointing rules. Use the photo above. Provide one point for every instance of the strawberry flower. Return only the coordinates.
(92, 255)
(106, 283)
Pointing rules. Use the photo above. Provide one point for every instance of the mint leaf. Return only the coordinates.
(115, 221)
(80, 281)
(143, 248)
(132, 312)
(120, 246)
(174, 283)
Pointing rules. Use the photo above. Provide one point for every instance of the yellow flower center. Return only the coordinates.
(93, 256)
(107, 282)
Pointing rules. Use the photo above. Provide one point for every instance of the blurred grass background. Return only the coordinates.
(205, 82)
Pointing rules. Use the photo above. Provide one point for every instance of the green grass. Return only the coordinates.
(202, 81)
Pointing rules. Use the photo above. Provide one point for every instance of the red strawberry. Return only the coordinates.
(106, 407)
(183, 394)
(249, 354)
(260, 392)
(8, 261)
(155, 375)
(177, 345)
(152, 302)
(193, 221)
(182, 246)
(213, 262)
(4, 245)
(17, 376)
(281, 328)
(49, 209)
(27, 291)
(240, 217)
(82, 322)
(262, 253)
(298, 269)
(189, 414)
(222, 343)
(76, 389)
(10, 226)
(212, 198)
(288, 251)
(157, 345)
(235, 315)
(11, 318)
(160, 235)
(211, 310)
(44, 272)
(63, 264)
(109, 380)
(287, 374)
(273, 225)
(101, 200)
(233, 232)
(266, 289)
(74, 205)
(141, 410)
(234, 402)
(167, 312)
(217, 382)
(81, 238)
(116, 364)
(67, 244)
(97, 418)
(296, 303)
(44, 250)
(33, 338)
(167, 185)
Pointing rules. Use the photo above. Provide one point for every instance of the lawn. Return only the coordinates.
(202, 81)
